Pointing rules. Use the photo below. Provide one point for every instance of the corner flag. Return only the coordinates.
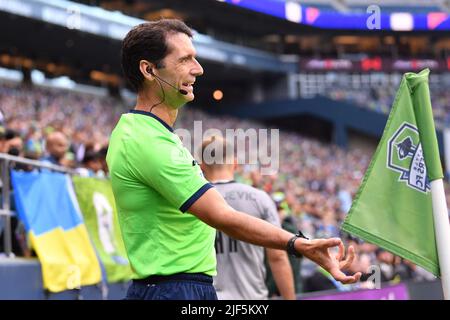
(394, 206)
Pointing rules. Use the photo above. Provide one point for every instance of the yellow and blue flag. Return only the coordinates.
(47, 205)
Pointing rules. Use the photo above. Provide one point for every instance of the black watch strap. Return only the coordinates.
(290, 248)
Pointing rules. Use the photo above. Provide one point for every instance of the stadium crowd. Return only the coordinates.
(313, 188)
(379, 98)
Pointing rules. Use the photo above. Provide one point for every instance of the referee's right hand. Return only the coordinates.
(318, 250)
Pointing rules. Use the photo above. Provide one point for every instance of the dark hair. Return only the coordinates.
(11, 134)
(148, 41)
(103, 151)
(91, 156)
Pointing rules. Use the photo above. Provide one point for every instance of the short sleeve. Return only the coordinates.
(270, 212)
(168, 167)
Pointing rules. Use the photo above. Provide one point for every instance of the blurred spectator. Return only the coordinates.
(78, 146)
(288, 223)
(2, 139)
(419, 273)
(56, 146)
(104, 170)
(91, 164)
(33, 140)
(13, 144)
(386, 264)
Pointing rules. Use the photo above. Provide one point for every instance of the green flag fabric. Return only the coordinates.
(97, 204)
(393, 207)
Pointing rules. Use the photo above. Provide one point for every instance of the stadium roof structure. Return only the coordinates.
(64, 38)
(394, 16)
(262, 24)
(115, 25)
(415, 6)
(83, 41)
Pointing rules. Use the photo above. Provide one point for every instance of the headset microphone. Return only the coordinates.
(182, 91)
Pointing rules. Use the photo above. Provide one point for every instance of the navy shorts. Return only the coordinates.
(181, 286)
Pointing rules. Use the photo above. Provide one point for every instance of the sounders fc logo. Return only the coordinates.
(405, 156)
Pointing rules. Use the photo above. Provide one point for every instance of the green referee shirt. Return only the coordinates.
(155, 180)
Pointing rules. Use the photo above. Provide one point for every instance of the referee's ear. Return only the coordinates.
(147, 70)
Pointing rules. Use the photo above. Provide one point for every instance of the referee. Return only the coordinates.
(167, 211)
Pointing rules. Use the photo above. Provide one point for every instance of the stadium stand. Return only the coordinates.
(316, 181)
(374, 91)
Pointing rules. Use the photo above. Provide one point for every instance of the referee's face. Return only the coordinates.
(180, 68)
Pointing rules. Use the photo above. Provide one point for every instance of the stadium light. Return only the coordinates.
(217, 95)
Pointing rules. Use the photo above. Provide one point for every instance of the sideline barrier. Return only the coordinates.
(22, 279)
(407, 290)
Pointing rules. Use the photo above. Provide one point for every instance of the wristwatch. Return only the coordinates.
(290, 248)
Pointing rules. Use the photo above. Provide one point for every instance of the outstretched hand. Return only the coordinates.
(318, 251)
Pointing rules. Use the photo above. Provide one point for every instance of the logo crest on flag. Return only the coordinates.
(405, 156)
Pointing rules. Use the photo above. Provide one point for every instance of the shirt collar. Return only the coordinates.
(146, 113)
(222, 182)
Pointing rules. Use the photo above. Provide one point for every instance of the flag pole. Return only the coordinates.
(442, 232)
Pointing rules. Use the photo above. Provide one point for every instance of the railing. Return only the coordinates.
(8, 162)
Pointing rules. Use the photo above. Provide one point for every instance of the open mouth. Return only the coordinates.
(188, 85)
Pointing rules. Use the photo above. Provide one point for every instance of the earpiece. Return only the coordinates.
(181, 91)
